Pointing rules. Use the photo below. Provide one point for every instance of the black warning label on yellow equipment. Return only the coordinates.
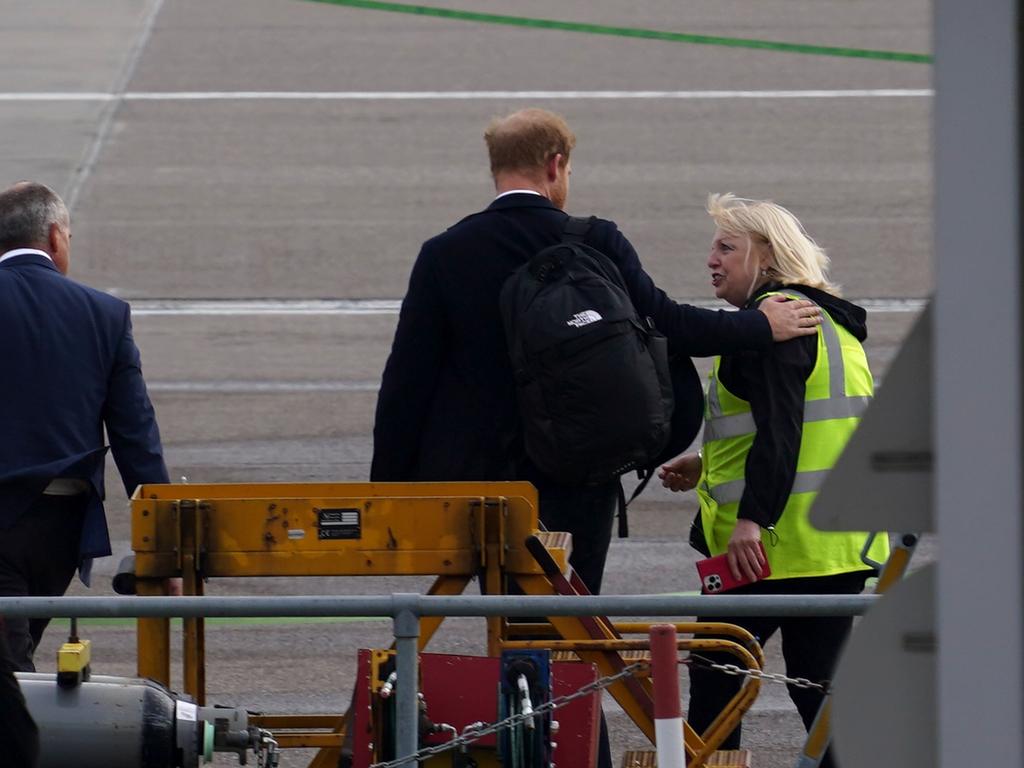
(341, 523)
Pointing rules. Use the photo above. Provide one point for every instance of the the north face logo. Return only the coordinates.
(586, 317)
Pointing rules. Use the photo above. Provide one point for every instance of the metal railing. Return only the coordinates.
(406, 609)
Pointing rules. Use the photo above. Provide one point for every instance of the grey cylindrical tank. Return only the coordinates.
(108, 722)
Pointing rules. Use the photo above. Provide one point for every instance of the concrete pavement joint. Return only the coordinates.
(107, 119)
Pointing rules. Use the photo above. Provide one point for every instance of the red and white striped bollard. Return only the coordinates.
(668, 716)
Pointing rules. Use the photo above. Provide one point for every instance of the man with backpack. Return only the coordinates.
(452, 404)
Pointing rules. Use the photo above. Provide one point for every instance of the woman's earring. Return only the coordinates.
(764, 271)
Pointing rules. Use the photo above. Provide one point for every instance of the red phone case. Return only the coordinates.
(716, 577)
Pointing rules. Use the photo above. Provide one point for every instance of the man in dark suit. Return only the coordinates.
(447, 403)
(70, 368)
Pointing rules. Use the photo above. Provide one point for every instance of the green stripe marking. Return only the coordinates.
(118, 623)
(636, 32)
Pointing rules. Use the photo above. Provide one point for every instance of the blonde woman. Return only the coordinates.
(775, 423)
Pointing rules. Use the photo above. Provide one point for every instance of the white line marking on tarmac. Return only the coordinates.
(257, 307)
(247, 307)
(260, 387)
(868, 93)
(84, 96)
(896, 306)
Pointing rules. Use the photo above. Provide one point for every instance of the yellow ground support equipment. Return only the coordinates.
(452, 531)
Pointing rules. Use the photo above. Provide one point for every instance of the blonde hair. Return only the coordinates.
(796, 258)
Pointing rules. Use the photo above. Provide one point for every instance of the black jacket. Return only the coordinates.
(774, 382)
(447, 403)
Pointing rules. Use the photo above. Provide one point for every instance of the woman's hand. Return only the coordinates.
(682, 473)
(745, 558)
(790, 319)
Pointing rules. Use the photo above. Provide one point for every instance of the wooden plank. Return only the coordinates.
(640, 758)
(730, 758)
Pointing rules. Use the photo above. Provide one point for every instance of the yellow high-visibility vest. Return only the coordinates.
(839, 388)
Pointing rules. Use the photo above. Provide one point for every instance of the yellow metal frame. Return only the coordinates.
(453, 531)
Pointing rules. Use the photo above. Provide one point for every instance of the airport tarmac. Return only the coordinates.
(256, 177)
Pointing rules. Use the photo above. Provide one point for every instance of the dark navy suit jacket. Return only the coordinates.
(447, 403)
(68, 367)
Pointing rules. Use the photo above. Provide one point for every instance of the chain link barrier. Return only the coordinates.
(771, 677)
(512, 721)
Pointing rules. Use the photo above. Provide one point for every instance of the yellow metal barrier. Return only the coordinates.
(453, 531)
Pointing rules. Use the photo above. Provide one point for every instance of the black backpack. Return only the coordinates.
(592, 377)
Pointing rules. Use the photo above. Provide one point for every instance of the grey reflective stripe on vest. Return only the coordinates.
(836, 366)
(836, 406)
(714, 407)
(740, 424)
(804, 482)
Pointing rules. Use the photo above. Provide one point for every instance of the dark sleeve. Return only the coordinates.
(775, 384)
(691, 331)
(129, 417)
(410, 377)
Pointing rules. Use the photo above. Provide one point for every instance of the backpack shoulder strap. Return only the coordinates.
(577, 228)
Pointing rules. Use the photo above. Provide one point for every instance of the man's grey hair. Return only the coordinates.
(27, 210)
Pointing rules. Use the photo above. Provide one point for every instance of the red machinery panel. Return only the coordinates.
(460, 690)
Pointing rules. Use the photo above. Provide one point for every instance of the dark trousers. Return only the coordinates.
(18, 733)
(38, 557)
(810, 647)
(587, 512)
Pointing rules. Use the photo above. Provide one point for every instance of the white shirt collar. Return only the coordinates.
(22, 252)
(519, 192)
